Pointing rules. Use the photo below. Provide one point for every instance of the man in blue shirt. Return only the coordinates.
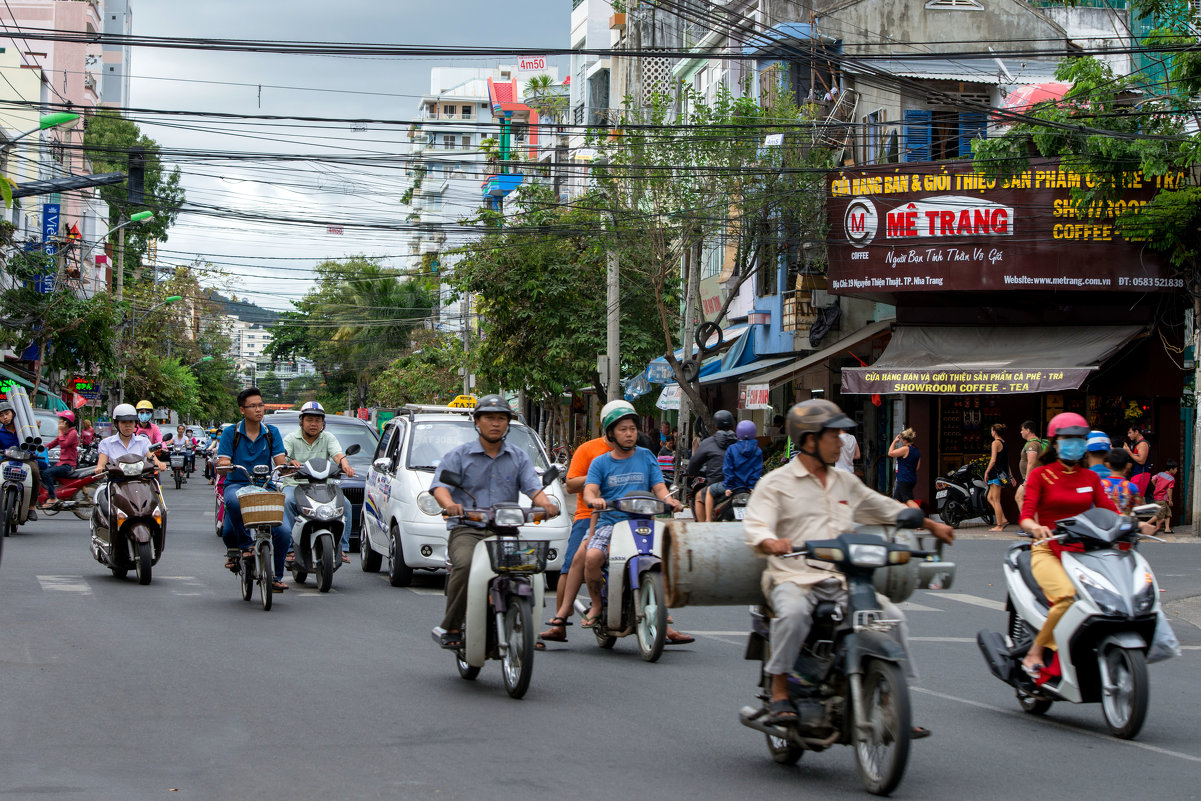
(491, 471)
(625, 469)
(248, 444)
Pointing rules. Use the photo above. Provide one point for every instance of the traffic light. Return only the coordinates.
(136, 181)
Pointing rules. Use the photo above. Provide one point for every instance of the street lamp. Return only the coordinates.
(202, 361)
(119, 273)
(47, 121)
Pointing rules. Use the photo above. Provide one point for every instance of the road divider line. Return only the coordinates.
(943, 639)
(1044, 721)
(974, 600)
(912, 606)
(72, 584)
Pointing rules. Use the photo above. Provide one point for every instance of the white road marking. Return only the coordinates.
(912, 606)
(1064, 726)
(74, 584)
(943, 639)
(189, 587)
(974, 600)
(426, 591)
(720, 633)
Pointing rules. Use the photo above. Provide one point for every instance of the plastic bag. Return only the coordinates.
(1164, 645)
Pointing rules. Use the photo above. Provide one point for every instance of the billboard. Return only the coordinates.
(937, 226)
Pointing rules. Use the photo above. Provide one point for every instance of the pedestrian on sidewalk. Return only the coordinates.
(996, 475)
(909, 459)
(1161, 492)
(1031, 452)
(1140, 453)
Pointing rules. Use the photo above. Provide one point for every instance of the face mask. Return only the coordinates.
(144, 417)
(1071, 449)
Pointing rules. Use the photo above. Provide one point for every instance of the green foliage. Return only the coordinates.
(164, 381)
(430, 374)
(106, 141)
(541, 299)
(272, 388)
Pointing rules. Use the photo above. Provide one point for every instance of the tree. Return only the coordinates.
(430, 374)
(272, 388)
(107, 140)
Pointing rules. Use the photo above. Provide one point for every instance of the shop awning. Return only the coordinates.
(976, 360)
(798, 366)
(748, 369)
(659, 371)
(8, 375)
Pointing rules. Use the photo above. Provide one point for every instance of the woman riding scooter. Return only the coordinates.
(67, 443)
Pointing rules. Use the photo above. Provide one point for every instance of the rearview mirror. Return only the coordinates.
(168, 437)
(158, 446)
(353, 449)
(550, 475)
(451, 478)
(382, 464)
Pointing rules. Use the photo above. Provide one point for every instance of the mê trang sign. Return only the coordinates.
(939, 226)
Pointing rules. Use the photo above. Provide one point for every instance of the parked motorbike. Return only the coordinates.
(129, 523)
(75, 493)
(88, 455)
(502, 591)
(16, 470)
(1104, 636)
(963, 495)
(262, 510)
(633, 597)
(848, 683)
(319, 523)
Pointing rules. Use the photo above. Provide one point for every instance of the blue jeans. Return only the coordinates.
(291, 509)
(51, 473)
(236, 536)
(579, 530)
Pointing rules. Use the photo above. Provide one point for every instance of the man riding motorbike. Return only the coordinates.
(312, 441)
(10, 439)
(492, 471)
(809, 500)
(248, 444)
(709, 458)
(146, 425)
(189, 443)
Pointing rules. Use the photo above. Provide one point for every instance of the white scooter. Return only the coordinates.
(504, 582)
(1104, 636)
(320, 519)
(16, 470)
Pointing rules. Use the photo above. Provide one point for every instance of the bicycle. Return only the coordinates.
(262, 511)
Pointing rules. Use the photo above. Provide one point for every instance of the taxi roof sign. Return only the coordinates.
(463, 402)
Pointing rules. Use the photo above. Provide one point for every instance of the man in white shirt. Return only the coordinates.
(848, 451)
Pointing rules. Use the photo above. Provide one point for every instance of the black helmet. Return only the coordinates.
(492, 404)
(723, 420)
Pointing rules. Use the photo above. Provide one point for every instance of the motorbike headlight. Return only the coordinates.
(1109, 602)
(133, 468)
(1144, 597)
(641, 506)
(869, 555)
(326, 512)
(509, 517)
(14, 453)
(427, 504)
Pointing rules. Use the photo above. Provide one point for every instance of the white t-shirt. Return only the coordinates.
(846, 454)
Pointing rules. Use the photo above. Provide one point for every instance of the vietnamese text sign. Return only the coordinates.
(871, 381)
(50, 223)
(937, 227)
(754, 396)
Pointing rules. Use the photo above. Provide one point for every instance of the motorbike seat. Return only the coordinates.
(1022, 561)
(82, 472)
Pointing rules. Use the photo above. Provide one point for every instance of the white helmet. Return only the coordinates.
(611, 405)
(126, 412)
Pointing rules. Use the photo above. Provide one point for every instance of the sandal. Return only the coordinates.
(231, 559)
(782, 711)
(278, 586)
(1034, 671)
(679, 638)
(556, 632)
(588, 621)
(451, 640)
(345, 557)
(539, 645)
(919, 733)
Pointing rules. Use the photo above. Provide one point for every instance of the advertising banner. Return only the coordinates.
(754, 396)
(934, 227)
(50, 223)
(961, 382)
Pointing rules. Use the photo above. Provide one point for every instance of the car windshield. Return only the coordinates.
(432, 439)
(47, 426)
(346, 434)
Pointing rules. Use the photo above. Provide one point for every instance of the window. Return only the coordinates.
(466, 112)
(935, 135)
(467, 140)
(431, 109)
(954, 5)
(448, 141)
(450, 111)
(873, 137)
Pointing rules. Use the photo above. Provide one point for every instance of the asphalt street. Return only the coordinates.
(182, 690)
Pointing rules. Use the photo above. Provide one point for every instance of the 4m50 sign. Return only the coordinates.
(898, 229)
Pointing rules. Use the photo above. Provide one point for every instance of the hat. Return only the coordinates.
(313, 408)
(1098, 442)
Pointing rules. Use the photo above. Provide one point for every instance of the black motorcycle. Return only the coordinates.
(848, 684)
(963, 495)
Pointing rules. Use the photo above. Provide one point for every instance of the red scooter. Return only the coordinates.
(75, 493)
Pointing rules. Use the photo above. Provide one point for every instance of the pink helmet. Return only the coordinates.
(1067, 424)
(69, 416)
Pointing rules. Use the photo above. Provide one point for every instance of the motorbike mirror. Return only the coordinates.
(382, 464)
(353, 449)
(452, 478)
(168, 437)
(158, 446)
(550, 475)
(910, 518)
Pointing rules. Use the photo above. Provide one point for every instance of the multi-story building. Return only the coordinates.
(118, 20)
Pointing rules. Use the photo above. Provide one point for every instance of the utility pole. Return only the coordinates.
(466, 342)
(692, 273)
(119, 266)
(613, 323)
(1195, 478)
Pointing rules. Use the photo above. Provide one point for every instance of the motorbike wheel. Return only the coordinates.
(989, 517)
(83, 508)
(1033, 704)
(266, 574)
(949, 514)
(10, 513)
(246, 576)
(143, 562)
(517, 666)
(652, 618)
(466, 671)
(882, 752)
(324, 566)
(782, 751)
(300, 574)
(1124, 701)
(369, 560)
(399, 574)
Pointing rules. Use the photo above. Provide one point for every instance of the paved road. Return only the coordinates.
(182, 690)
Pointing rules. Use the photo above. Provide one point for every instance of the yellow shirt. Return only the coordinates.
(791, 503)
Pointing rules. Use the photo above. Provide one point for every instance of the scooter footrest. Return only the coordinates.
(996, 655)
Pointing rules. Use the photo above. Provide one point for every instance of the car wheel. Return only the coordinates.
(399, 574)
(369, 560)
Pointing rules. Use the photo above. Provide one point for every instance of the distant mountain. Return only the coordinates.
(244, 310)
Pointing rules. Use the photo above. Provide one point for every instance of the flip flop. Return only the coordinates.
(588, 621)
(345, 558)
(680, 639)
(278, 586)
(919, 733)
(782, 711)
(1034, 671)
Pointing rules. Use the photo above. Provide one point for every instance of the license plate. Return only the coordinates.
(940, 494)
(739, 512)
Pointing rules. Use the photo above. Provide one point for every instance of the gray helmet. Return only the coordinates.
(5, 406)
(812, 416)
(492, 404)
(723, 420)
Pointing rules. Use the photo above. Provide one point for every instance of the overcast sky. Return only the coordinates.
(272, 260)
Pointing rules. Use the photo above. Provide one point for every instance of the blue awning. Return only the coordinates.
(659, 371)
(745, 369)
(640, 385)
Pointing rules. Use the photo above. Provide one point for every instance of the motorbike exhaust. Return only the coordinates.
(996, 655)
(755, 719)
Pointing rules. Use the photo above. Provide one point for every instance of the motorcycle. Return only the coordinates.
(848, 683)
(16, 470)
(963, 495)
(88, 455)
(317, 530)
(262, 510)
(75, 493)
(633, 597)
(133, 501)
(732, 507)
(1104, 636)
(179, 460)
(502, 581)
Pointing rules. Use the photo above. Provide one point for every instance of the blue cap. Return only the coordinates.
(1098, 441)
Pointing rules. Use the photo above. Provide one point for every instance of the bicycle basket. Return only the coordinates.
(261, 508)
(517, 556)
(177, 460)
